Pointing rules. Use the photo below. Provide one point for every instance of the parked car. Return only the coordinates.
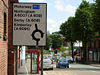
(50, 57)
(62, 62)
(78, 57)
(70, 59)
(45, 57)
(47, 64)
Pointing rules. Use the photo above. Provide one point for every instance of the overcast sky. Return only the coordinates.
(58, 11)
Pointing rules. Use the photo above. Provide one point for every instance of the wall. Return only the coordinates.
(11, 49)
(94, 50)
(3, 43)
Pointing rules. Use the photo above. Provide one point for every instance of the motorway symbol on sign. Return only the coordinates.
(36, 6)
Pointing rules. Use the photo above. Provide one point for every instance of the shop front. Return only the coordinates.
(94, 51)
(94, 55)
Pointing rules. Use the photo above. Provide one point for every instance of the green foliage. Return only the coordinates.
(29, 47)
(84, 4)
(96, 17)
(26, 48)
(58, 51)
(83, 17)
(64, 54)
(51, 50)
(80, 27)
(48, 42)
(27, 54)
(68, 26)
(69, 46)
(57, 40)
(46, 52)
(66, 29)
(70, 53)
(62, 49)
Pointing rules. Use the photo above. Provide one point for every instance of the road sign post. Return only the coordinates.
(30, 25)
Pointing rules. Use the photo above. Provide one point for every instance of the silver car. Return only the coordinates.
(47, 64)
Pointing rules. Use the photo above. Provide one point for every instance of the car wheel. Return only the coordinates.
(59, 66)
(51, 68)
(67, 66)
(56, 66)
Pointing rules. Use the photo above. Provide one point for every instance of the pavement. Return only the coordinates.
(95, 65)
(24, 71)
(25, 68)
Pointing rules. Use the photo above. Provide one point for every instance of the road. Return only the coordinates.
(75, 69)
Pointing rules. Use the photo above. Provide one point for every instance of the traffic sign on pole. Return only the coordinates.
(29, 24)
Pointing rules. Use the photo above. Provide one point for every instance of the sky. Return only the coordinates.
(58, 11)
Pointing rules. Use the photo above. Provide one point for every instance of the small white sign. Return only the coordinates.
(29, 24)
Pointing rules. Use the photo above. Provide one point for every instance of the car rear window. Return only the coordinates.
(47, 60)
(63, 59)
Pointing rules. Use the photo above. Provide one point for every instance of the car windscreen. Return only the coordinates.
(47, 61)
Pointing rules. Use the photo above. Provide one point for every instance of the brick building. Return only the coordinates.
(11, 49)
(94, 51)
(3, 36)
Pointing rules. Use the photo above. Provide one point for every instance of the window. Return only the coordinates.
(5, 27)
(99, 43)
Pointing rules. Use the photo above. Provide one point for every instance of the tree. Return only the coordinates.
(62, 48)
(84, 18)
(48, 42)
(80, 26)
(66, 30)
(96, 17)
(57, 40)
